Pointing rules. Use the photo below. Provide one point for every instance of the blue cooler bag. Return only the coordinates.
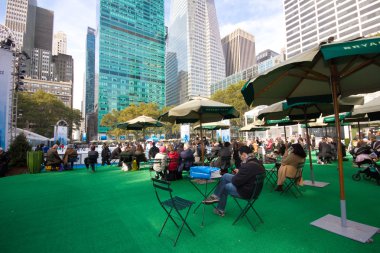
(202, 172)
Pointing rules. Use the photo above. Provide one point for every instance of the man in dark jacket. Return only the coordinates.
(240, 185)
(153, 151)
(106, 155)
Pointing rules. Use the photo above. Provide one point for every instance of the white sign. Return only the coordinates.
(224, 135)
(185, 133)
(60, 134)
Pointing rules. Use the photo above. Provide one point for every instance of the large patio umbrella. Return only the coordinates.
(253, 128)
(140, 123)
(339, 69)
(305, 112)
(200, 109)
(212, 126)
(370, 110)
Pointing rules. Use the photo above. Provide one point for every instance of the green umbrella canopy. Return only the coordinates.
(336, 69)
(200, 109)
(308, 75)
(305, 111)
(140, 123)
(331, 118)
(281, 122)
(213, 126)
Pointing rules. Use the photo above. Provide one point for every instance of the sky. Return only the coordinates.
(262, 18)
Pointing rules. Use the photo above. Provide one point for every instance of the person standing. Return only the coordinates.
(240, 184)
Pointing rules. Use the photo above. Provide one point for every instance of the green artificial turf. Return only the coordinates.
(115, 211)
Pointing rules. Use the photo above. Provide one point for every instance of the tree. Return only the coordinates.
(148, 109)
(40, 111)
(232, 96)
(18, 150)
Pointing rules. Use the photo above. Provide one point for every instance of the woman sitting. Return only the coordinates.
(126, 156)
(173, 163)
(140, 155)
(160, 163)
(70, 156)
(294, 156)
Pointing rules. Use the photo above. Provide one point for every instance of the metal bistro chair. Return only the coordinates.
(163, 174)
(171, 204)
(259, 182)
(272, 173)
(292, 182)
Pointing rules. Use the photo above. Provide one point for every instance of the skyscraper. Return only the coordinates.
(194, 50)
(59, 43)
(239, 51)
(130, 55)
(33, 29)
(16, 18)
(310, 22)
(89, 93)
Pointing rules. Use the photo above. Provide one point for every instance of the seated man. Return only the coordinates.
(92, 158)
(52, 158)
(240, 185)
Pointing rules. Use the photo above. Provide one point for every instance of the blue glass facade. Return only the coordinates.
(131, 55)
(90, 71)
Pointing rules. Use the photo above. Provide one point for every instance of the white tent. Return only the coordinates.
(33, 138)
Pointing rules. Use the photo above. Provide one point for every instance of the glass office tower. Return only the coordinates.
(195, 57)
(90, 72)
(131, 55)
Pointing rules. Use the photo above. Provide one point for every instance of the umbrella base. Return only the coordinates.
(316, 183)
(354, 230)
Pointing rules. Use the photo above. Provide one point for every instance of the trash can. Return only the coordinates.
(34, 161)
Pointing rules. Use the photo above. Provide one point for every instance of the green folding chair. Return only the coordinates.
(292, 182)
(259, 182)
(171, 204)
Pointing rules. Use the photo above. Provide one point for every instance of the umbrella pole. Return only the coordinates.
(359, 129)
(202, 144)
(334, 84)
(309, 149)
(285, 133)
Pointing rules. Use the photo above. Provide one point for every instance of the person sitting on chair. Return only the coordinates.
(106, 155)
(52, 158)
(115, 154)
(126, 157)
(294, 156)
(71, 156)
(225, 158)
(187, 160)
(160, 163)
(153, 151)
(140, 155)
(240, 185)
(92, 158)
(173, 163)
(325, 152)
